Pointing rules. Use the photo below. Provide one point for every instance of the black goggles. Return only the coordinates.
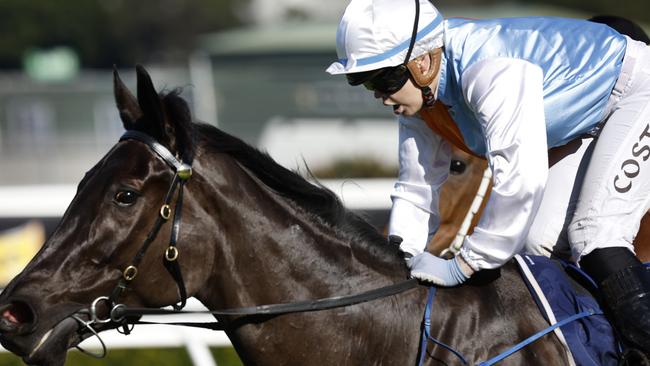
(388, 80)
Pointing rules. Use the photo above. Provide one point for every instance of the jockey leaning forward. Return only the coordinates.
(509, 90)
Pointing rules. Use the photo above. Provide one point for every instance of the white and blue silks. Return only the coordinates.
(515, 88)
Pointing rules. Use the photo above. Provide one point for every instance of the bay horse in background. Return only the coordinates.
(457, 196)
(249, 232)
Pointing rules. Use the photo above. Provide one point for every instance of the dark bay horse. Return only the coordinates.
(458, 193)
(251, 233)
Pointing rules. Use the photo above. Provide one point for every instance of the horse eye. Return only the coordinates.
(126, 197)
(457, 167)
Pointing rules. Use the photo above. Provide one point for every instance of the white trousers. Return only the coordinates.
(596, 196)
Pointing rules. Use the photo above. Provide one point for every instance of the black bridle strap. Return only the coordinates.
(120, 312)
(156, 146)
(182, 172)
(171, 262)
(153, 233)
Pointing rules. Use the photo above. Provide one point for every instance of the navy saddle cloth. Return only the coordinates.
(554, 286)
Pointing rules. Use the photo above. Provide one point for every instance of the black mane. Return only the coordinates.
(313, 198)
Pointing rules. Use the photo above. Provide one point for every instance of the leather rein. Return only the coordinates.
(123, 316)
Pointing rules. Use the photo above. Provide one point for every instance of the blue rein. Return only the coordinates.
(425, 332)
(427, 337)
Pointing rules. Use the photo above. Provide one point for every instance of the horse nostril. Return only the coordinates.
(16, 315)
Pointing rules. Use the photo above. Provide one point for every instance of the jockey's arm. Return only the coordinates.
(424, 160)
(506, 96)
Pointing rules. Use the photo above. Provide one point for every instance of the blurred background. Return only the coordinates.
(254, 68)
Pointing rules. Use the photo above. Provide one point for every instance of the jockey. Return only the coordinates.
(509, 90)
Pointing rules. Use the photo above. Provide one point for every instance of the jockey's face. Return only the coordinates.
(406, 101)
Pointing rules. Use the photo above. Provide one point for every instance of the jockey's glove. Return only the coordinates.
(427, 267)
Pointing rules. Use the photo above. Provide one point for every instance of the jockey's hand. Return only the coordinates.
(427, 267)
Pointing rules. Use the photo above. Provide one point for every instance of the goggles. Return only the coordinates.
(387, 81)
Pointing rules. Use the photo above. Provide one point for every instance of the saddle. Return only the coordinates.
(562, 290)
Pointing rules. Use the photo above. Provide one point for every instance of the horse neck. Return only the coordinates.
(269, 250)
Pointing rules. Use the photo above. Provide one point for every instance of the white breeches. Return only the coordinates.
(597, 196)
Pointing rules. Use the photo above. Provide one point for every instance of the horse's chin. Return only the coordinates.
(51, 349)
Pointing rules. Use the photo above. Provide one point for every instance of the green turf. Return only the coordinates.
(224, 356)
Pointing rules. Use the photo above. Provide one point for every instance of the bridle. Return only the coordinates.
(182, 173)
(123, 316)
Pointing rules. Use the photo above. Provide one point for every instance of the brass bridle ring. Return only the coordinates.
(171, 254)
(130, 272)
(165, 212)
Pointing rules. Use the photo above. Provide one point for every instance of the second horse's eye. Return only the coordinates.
(126, 197)
(457, 167)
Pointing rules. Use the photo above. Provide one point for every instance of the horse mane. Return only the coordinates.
(313, 198)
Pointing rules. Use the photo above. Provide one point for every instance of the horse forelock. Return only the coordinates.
(315, 199)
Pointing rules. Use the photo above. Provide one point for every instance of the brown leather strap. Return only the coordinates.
(425, 79)
(439, 120)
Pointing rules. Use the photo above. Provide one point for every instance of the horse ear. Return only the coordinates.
(151, 106)
(126, 103)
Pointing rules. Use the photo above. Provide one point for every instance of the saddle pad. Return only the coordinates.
(590, 340)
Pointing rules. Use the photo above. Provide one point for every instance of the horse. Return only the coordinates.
(458, 193)
(245, 231)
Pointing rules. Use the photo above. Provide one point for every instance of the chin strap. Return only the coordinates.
(428, 97)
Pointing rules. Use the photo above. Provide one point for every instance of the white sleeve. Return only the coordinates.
(506, 96)
(424, 159)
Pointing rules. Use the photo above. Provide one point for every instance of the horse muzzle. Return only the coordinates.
(17, 317)
(38, 343)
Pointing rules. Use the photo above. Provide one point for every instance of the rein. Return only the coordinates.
(121, 312)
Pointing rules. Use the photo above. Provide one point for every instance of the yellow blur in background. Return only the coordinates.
(17, 247)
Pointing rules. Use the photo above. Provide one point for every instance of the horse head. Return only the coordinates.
(116, 209)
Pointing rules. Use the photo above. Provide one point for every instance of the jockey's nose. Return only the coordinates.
(385, 99)
(16, 317)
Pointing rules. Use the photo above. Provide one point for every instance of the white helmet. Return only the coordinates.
(374, 34)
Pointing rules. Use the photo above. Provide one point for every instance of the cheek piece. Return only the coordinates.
(423, 80)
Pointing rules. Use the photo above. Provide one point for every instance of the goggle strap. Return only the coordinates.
(414, 33)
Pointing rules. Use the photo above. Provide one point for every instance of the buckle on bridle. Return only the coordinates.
(165, 212)
(184, 172)
(171, 254)
(129, 273)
